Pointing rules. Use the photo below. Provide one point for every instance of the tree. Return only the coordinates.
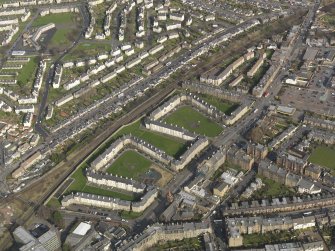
(44, 212)
(57, 219)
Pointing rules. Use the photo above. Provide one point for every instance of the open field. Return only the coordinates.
(323, 156)
(67, 28)
(172, 146)
(193, 121)
(62, 18)
(130, 164)
(87, 49)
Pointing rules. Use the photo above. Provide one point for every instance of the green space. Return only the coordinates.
(220, 104)
(10, 117)
(27, 73)
(130, 164)
(323, 156)
(54, 203)
(79, 184)
(67, 29)
(182, 245)
(62, 18)
(194, 121)
(87, 49)
(271, 189)
(61, 36)
(172, 146)
(254, 240)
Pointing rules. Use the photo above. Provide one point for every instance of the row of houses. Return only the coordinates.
(257, 65)
(26, 3)
(237, 227)
(298, 165)
(58, 10)
(276, 205)
(203, 106)
(140, 17)
(168, 129)
(218, 78)
(213, 91)
(122, 143)
(9, 35)
(287, 178)
(310, 245)
(109, 202)
(159, 232)
(109, 180)
(325, 137)
(94, 70)
(108, 19)
(126, 141)
(319, 122)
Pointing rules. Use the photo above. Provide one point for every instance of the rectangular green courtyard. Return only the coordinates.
(194, 121)
(130, 164)
(323, 156)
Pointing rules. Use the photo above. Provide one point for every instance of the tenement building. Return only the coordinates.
(159, 232)
(109, 180)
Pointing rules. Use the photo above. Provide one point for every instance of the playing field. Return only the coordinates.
(194, 121)
(130, 164)
(323, 156)
(172, 146)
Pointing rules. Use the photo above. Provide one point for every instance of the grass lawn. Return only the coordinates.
(185, 244)
(61, 37)
(130, 164)
(323, 156)
(67, 28)
(25, 76)
(172, 146)
(194, 121)
(87, 49)
(54, 203)
(223, 106)
(271, 189)
(27, 73)
(10, 117)
(62, 18)
(79, 185)
(253, 240)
